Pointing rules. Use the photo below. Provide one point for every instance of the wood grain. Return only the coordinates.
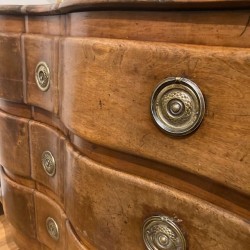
(17, 109)
(37, 49)
(46, 25)
(109, 103)
(14, 144)
(111, 207)
(19, 207)
(47, 208)
(6, 238)
(11, 82)
(44, 138)
(223, 28)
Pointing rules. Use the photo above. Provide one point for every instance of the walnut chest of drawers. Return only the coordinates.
(125, 125)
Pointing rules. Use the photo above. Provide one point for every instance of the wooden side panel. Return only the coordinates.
(19, 206)
(108, 102)
(14, 144)
(224, 28)
(36, 49)
(44, 138)
(11, 82)
(112, 206)
(47, 208)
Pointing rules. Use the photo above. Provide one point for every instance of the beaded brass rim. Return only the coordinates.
(162, 233)
(48, 163)
(42, 76)
(52, 228)
(177, 106)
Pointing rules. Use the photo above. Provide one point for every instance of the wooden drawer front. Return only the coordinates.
(14, 144)
(19, 206)
(106, 87)
(72, 242)
(108, 208)
(46, 208)
(11, 78)
(41, 49)
(44, 138)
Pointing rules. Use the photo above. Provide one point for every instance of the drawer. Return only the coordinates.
(47, 150)
(44, 50)
(11, 77)
(72, 242)
(19, 206)
(108, 103)
(14, 144)
(112, 207)
(50, 221)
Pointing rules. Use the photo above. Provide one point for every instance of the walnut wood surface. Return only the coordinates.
(41, 49)
(99, 105)
(227, 28)
(19, 207)
(117, 115)
(111, 207)
(43, 138)
(14, 144)
(11, 87)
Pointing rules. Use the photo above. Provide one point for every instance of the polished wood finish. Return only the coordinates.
(44, 138)
(228, 28)
(115, 168)
(41, 49)
(11, 87)
(111, 207)
(47, 208)
(6, 237)
(19, 207)
(117, 111)
(14, 144)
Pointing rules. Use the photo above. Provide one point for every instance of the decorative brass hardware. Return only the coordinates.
(177, 106)
(42, 76)
(48, 163)
(162, 233)
(52, 228)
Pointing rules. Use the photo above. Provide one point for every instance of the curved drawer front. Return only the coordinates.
(108, 102)
(19, 206)
(41, 49)
(108, 208)
(14, 144)
(73, 243)
(11, 77)
(47, 150)
(50, 220)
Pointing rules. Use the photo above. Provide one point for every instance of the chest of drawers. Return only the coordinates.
(125, 125)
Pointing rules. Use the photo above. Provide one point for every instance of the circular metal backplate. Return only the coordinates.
(42, 76)
(52, 228)
(177, 106)
(48, 163)
(162, 233)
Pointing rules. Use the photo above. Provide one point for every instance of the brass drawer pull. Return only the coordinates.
(42, 76)
(48, 163)
(52, 228)
(177, 106)
(162, 233)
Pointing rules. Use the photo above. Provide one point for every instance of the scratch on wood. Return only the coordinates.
(245, 28)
